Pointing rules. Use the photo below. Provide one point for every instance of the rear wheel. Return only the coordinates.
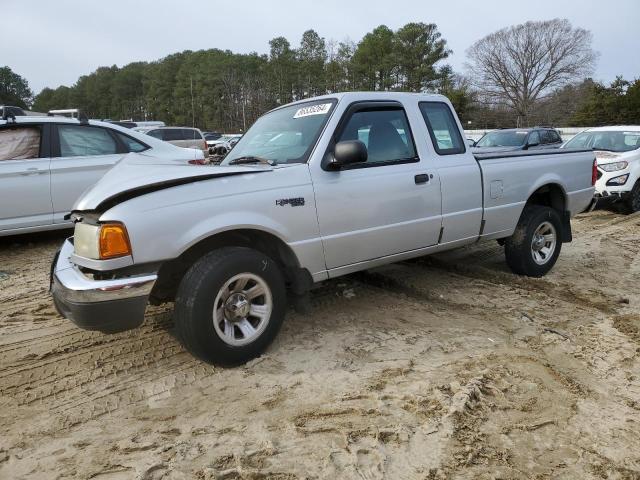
(534, 247)
(230, 305)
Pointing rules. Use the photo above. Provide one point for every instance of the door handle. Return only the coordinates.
(421, 178)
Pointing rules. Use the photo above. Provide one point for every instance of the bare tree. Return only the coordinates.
(520, 64)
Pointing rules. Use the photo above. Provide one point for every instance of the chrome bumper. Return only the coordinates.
(105, 305)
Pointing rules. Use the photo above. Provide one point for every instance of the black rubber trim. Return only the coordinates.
(567, 235)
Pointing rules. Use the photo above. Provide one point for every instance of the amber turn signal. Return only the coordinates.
(114, 241)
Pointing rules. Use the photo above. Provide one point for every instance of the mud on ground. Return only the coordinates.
(443, 367)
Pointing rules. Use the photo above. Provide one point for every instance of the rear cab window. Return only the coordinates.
(20, 142)
(443, 128)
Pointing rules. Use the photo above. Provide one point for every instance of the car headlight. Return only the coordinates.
(612, 167)
(616, 181)
(101, 242)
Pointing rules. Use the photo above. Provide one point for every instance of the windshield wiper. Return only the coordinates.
(251, 159)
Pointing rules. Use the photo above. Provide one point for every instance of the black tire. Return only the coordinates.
(194, 304)
(519, 247)
(633, 201)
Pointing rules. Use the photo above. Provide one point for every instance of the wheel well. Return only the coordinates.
(298, 279)
(550, 195)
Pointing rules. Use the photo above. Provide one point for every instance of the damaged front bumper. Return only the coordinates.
(108, 306)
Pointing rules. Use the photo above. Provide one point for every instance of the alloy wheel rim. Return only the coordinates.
(242, 309)
(543, 243)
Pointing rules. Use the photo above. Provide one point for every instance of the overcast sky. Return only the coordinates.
(53, 42)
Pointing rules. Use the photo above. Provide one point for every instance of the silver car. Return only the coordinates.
(185, 137)
(47, 162)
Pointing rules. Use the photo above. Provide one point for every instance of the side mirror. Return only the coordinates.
(532, 144)
(346, 153)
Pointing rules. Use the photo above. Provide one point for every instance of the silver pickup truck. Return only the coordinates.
(314, 190)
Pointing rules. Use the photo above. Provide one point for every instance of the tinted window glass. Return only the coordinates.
(384, 132)
(20, 143)
(442, 127)
(131, 144)
(191, 134)
(155, 134)
(555, 136)
(546, 136)
(534, 138)
(172, 134)
(80, 140)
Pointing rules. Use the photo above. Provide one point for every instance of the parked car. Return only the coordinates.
(226, 147)
(223, 140)
(47, 162)
(212, 139)
(138, 125)
(10, 111)
(185, 137)
(513, 139)
(229, 243)
(617, 151)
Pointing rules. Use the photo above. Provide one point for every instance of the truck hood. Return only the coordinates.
(137, 175)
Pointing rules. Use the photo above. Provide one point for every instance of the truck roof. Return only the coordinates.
(359, 96)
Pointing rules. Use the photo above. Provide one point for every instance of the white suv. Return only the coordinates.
(617, 151)
(47, 162)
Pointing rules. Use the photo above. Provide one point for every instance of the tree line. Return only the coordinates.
(226, 91)
(533, 73)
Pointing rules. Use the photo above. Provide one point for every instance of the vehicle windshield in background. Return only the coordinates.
(609, 141)
(285, 135)
(503, 139)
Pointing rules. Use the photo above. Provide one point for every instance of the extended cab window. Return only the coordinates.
(19, 143)
(443, 129)
(82, 140)
(385, 132)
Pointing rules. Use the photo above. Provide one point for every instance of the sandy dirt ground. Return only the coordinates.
(443, 367)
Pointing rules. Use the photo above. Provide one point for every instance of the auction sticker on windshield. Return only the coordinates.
(320, 109)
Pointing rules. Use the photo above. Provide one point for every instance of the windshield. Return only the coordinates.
(503, 139)
(285, 135)
(609, 141)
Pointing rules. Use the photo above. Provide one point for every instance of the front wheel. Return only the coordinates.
(230, 305)
(633, 201)
(534, 247)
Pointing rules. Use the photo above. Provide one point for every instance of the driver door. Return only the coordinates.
(387, 205)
